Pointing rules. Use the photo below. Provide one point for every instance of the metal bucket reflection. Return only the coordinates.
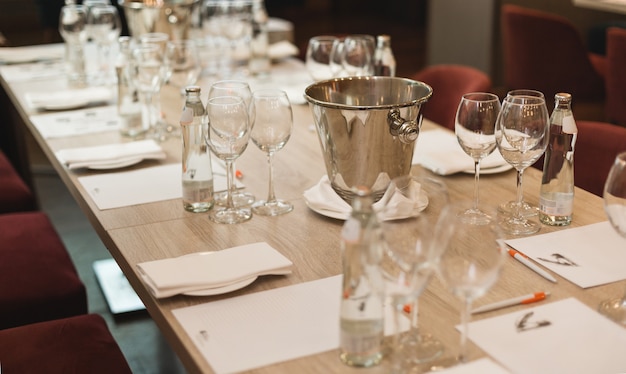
(367, 128)
(173, 17)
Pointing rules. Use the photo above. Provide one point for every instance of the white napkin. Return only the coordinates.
(18, 55)
(201, 271)
(440, 152)
(67, 99)
(324, 200)
(282, 49)
(110, 154)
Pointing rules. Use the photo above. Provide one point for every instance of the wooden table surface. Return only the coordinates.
(163, 229)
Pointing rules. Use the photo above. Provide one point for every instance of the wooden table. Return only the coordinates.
(163, 229)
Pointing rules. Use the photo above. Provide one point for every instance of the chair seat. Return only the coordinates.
(15, 196)
(81, 344)
(38, 280)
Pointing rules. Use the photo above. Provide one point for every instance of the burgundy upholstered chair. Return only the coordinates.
(449, 82)
(38, 281)
(545, 52)
(616, 76)
(81, 344)
(597, 145)
(15, 196)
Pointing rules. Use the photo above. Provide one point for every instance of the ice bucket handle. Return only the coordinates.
(406, 131)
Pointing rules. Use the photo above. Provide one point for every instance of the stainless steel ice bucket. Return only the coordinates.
(367, 128)
(173, 17)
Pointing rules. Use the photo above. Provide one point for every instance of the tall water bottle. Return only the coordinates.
(384, 60)
(128, 104)
(556, 197)
(197, 175)
(362, 296)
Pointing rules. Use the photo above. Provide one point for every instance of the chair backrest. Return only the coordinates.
(545, 52)
(616, 76)
(597, 145)
(449, 83)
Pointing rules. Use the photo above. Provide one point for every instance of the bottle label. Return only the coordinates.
(569, 125)
(561, 206)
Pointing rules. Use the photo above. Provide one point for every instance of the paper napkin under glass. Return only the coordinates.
(208, 270)
(324, 200)
(110, 154)
(439, 151)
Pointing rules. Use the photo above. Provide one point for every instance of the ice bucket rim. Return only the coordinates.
(164, 3)
(326, 104)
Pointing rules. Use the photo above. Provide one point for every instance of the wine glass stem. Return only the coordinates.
(465, 319)
(520, 194)
(476, 178)
(230, 172)
(271, 197)
(146, 110)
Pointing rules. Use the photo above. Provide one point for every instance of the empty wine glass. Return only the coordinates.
(358, 55)
(522, 134)
(106, 28)
(271, 131)
(318, 57)
(336, 59)
(410, 257)
(475, 130)
(227, 136)
(183, 61)
(160, 129)
(241, 89)
(471, 263)
(72, 27)
(525, 209)
(615, 208)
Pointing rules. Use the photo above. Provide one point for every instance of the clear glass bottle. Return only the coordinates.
(197, 174)
(362, 299)
(128, 104)
(556, 196)
(259, 64)
(384, 60)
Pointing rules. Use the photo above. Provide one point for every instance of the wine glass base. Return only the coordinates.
(421, 348)
(229, 216)
(241, 199)
(519, 226)
(275, 208)
(474, 216)
(526, 209)
(614, 309)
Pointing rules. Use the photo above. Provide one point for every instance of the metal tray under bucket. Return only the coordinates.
(367, 128)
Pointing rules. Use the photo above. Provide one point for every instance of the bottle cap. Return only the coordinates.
(192, 89)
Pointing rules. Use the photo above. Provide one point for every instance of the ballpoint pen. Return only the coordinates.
(526, 299)
(524, 260)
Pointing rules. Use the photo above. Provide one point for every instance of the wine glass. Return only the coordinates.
(508, 207)
(160, 129)
(146, 75)
(336, 59)
(471, 263)
(227, 136)
(72, 27)
(271, 131)
(240, 89)
(522, 134)
(358, 55)
(475, 130)
(410, 257)
(318, 57)
(615, 208)
(106, 28)
(183, 61)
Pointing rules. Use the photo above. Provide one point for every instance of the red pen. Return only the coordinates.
(520, 300)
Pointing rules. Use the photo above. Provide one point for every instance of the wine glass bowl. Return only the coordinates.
(475, 131)
(106, 27)
(615, 208)
(184, 63)
(522, 134)
(227, 136)
(146, 74)
(271, 130)
(318, 57)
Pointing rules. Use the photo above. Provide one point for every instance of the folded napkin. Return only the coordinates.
(19, 55)
(393, 205)
(282, 49)
(207, 270)
(110, 154)
(66, 99)
(440, 152)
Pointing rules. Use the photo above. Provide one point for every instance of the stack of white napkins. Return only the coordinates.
(440, 152)
(324, 200)
(212, 270)
(71, 98)
(110, 154)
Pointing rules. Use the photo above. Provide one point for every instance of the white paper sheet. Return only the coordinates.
(141, 186)
(77, 122)
(482, 366)
(32, 71)
(561, 337)
(255, 330)
(587, 256)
